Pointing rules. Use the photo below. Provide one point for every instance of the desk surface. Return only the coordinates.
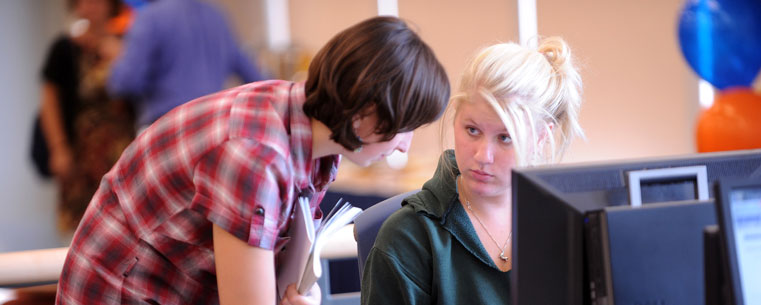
(42, 266)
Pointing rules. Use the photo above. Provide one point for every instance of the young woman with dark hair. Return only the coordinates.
(199, 205)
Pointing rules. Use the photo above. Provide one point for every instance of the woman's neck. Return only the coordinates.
(322, 145)
(486, 203)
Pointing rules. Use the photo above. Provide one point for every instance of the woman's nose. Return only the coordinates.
(484, 152)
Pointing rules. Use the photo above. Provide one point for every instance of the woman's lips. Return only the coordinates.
(480, 175)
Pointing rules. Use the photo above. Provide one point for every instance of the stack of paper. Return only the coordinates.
(300, 260)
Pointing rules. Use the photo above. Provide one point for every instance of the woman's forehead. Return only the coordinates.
(481, 114)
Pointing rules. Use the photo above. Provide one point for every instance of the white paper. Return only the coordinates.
(295, 255)
(300, 260)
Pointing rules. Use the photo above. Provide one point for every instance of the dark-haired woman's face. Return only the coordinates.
(374, 149)
(96, 11)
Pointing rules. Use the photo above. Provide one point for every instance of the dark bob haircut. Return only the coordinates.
(376, 67)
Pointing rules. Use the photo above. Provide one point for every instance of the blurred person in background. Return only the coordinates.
(84, 131)
(175, 51)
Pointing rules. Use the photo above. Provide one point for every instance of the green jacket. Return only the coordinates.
(428, 252)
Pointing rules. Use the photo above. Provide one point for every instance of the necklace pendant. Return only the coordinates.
(502, 256)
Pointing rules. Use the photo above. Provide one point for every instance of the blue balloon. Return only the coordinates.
(721, 40)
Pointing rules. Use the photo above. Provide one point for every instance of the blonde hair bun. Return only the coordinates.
(535, 91)
(557, 52)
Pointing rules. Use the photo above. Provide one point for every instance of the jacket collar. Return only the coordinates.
(439, 201)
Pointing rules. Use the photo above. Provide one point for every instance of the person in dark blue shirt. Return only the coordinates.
(175, 51)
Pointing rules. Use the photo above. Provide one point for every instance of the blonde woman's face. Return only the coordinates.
(483, 149)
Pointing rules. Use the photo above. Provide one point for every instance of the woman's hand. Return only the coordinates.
(61, 161)
(292, 296)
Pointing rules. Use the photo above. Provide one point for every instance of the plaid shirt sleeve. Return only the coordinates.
(242, 186)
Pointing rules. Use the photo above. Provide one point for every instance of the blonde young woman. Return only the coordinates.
(451, 242)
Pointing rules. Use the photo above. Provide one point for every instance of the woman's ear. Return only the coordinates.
(544, 134)
(363, 126)
(364, 123)
(546, 131)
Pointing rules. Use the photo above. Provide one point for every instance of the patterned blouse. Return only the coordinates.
(237, 159)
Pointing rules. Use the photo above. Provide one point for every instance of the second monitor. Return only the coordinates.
(550, 205)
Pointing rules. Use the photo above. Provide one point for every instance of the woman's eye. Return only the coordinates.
(472, 131)
(505, 139)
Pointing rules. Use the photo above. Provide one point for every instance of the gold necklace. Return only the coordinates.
(502, 249)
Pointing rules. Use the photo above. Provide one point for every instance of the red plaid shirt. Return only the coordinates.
(237, 159)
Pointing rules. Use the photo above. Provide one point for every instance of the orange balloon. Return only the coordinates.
(733, 122)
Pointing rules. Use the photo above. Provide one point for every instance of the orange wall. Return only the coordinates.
(313, 23)
(640, 96)
(454, 29)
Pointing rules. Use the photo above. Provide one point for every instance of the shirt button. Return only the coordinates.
(260, 211)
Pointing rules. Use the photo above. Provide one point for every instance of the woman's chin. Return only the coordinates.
(361, 163)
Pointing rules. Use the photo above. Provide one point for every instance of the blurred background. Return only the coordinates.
(641, 98)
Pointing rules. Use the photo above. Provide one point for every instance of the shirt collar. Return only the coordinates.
(439, 200)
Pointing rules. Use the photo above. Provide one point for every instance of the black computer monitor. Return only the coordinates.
(738, 203)
(550, 204)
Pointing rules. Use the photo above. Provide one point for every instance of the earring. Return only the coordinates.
(356, 124)
(358, 149)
